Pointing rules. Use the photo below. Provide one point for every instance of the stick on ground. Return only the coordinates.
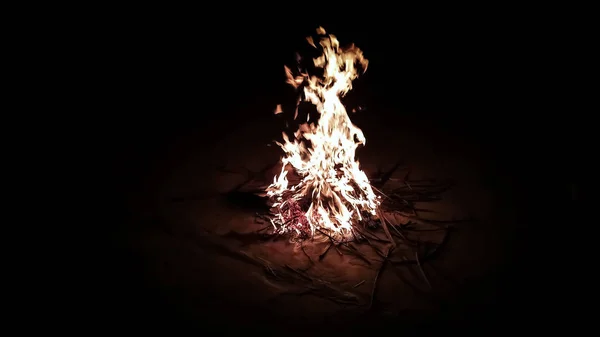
(374, 288)
(322, 255)
(421, 269)
(306, 254)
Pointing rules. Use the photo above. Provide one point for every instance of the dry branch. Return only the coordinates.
(385, 229)
(379, 271)
(322, 255)
(421, 268)
(359, 284)
(306, 254)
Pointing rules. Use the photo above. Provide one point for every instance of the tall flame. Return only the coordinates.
(333, 194)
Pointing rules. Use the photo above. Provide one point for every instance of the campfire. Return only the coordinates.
(322, 201)
(322, 194)
(332, 195)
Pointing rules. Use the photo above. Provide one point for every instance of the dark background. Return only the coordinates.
(501, 72)
(492, 77)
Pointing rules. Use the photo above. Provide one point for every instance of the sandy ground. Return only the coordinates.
(180, 264)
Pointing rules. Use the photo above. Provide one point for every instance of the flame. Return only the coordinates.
(333, 194)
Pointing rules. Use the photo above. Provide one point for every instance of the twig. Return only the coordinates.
(261, 217)
(437, 248)
(327, 235)
(271, 270)
(357, 252)
(377, 276)
(396, 229)
(301, 274)
(380, 192)
(359, 284)
(385, 229)
(386, 176)
(304, 251)
(266, 227)
(373, 246)
(402, 236)
(421, 269)
(338, 250)
(322, 255)
(375, 249)
(369, 235)
(354, 235)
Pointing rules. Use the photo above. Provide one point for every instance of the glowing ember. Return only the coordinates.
(333, 194)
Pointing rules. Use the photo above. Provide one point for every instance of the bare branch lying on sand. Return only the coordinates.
(322, 255)
(359, 284)
(421, 269)
(379, 271)
(306, 254)
(384, 177)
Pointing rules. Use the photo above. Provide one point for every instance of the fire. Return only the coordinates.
(333, 194)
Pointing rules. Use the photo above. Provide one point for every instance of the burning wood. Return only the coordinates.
(333, 194)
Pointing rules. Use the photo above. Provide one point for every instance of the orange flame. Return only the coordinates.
(336, 191)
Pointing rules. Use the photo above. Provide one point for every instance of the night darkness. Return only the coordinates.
(172, 92)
